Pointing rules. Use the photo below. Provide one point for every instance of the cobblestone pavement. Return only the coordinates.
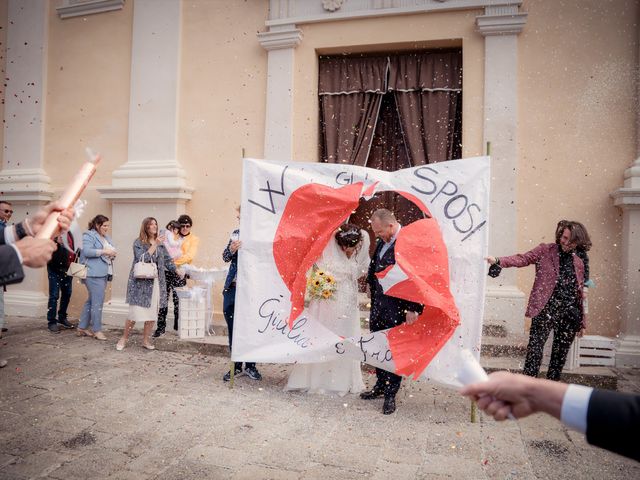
(75, 408)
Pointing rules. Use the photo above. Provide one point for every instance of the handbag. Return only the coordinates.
(145, 270)
(494, 270)
(77, 269)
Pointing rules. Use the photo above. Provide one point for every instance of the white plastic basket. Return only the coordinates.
(205, 275)
(193, 313)
(596, 350)
(588, 351)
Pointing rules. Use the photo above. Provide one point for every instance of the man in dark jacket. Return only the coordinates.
(386, 311)
(60, 285)
(6, 210)
(18, 247)
(230, 254)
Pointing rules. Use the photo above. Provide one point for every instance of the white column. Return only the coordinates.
(280, 42)
(627, 199)
(500, 26)
(152, 182)
(153, 101)
(23, 181)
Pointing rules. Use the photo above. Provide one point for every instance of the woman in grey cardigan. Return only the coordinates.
(146, 295)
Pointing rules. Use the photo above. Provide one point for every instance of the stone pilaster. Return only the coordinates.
(627, 198)
(500, 26)
(280, 42)
(23, 180)
(151, 182)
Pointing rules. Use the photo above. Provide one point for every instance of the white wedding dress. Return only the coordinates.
(339, 314)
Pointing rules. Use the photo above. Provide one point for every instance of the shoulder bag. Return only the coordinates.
(77, 269)
(145, 270)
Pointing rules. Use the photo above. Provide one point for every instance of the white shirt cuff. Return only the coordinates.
(10, 234)
(18, 252)
(574, 407)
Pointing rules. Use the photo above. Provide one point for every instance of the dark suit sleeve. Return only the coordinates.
(371, 279)
(10, 268)
(613, 422)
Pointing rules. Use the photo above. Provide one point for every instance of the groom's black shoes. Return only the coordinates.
(389, 405)
(371, 394)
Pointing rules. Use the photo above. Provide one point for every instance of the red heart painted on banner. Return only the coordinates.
(313, 212)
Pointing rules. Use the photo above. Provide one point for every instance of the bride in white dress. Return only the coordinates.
(347, 258)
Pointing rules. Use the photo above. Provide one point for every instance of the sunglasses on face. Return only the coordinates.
(8, 211)
(185, 226)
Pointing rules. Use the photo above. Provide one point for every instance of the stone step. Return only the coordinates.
(493, 330)
(220, 326)
(513, 346)
(598, 377)
(214, 345)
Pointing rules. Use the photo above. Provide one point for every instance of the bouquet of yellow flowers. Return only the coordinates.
(321, 284)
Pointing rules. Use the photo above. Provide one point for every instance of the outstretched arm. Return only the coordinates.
(506, 393)
(520, 259)
(609, 419)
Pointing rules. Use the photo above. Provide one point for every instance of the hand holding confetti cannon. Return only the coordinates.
(51, 228)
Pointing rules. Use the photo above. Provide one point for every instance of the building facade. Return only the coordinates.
(174, 94)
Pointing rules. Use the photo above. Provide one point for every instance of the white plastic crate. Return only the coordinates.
(588, 351)
(595, 350)
(193, 312)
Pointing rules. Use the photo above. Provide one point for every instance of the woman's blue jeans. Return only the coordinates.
(92, 310)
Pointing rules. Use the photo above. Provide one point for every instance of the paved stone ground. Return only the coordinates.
(75, 408)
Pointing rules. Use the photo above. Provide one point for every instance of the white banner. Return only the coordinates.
(277, 211)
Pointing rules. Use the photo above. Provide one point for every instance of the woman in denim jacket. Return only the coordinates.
(98, 254)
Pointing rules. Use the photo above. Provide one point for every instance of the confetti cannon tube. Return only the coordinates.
(70, 195)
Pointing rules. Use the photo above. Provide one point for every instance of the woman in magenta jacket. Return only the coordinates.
(555, 302)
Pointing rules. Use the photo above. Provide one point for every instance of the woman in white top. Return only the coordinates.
(347, 258)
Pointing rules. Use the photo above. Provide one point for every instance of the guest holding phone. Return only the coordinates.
(146, 295)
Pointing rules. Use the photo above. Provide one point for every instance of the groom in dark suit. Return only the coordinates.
(386, 311)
